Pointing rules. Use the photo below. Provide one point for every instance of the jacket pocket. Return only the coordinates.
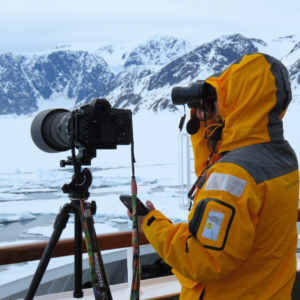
(211, 223)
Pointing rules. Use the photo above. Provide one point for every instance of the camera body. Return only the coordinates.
(95, 125)
(99, 126)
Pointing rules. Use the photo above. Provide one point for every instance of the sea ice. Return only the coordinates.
(119, 220)
(68, 232)
(12, 197)
(22, 217)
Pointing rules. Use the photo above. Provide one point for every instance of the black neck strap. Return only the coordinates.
(132, 154)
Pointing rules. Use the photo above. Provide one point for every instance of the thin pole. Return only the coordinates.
(182, 193)
(188, 166)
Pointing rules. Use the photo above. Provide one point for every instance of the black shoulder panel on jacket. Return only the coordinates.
(264, 161)
(203, 179)
(283, 96)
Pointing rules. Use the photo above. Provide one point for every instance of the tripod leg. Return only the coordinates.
(98, 276)
(97, 250)
(78, 293)
(59, 225)
(101, 264)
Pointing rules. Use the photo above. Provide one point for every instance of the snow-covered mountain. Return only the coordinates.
(24, 79)
(292, 62)
(158, 51)
(138, 76)
(143, 88)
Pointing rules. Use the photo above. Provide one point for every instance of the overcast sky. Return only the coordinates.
(36, 25)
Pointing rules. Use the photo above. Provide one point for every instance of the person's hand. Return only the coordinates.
(150, 207)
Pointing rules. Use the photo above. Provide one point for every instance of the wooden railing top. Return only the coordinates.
(65, 247)
(30, 252)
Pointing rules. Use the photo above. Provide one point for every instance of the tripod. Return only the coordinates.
(83, 216)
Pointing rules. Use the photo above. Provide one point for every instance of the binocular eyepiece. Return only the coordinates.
(193, 94)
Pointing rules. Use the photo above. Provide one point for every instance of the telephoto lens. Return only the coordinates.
(50, 130)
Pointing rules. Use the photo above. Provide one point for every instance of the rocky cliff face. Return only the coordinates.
(138, 78)
(16, 93)
(26, 78)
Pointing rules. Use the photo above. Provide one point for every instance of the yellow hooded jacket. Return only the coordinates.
(241, 236)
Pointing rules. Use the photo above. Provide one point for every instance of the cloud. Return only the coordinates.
(35, 25)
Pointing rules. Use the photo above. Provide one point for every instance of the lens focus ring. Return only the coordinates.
(174, 95)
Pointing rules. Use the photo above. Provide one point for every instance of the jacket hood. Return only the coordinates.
(253, 95)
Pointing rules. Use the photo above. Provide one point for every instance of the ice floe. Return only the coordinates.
(15, 218)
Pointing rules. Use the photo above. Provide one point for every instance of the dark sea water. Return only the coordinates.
(13, 230)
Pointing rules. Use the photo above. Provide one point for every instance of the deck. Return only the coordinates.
(158, 288)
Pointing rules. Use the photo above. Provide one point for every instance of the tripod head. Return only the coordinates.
(78, 188)
(81, 180)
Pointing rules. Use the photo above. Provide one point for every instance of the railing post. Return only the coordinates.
(189, 171)
(182, 159)
(181, 171)
(188, 162)
(129, 267)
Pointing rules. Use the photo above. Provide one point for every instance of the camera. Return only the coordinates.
(95, 125)
(193, 94)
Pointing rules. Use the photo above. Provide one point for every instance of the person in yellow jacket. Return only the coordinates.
(241, 237)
